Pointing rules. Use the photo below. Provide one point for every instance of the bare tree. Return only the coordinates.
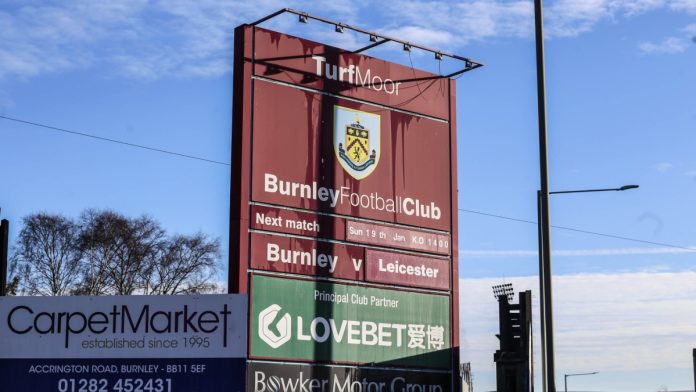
(13, 286)
(108, 253)
(137, 256)
(98, 244)
(137, 242)
(119, 253)
(187, 264)
(47, 257)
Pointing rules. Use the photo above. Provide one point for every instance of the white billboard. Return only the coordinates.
(123, 343)
(206, 326)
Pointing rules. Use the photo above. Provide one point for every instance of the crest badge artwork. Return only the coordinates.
(356, 141)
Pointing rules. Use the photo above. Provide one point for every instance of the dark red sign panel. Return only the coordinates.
(308, 224)
(310, 64)
(407, 270)
(301, 256)
(307, 257)
(396, 170)
(312, 224)
(397, 237)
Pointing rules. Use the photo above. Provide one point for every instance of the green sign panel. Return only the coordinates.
(330, 322)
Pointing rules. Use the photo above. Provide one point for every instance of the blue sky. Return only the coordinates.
(621, 110)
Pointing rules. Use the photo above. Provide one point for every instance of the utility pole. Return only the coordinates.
(4, 243)
(546, 292)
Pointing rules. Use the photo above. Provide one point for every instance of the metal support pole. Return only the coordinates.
(565, 380)
(4, 243)
(544, 198)
(548, 302)
(694, 355)
(542, 324)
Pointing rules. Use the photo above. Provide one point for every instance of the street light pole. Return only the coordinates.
(693, 353)
(545, 288)
(575, 374)
(542, 302)
(620, 189)
(546, 294)
(547, 368)
(4, 241)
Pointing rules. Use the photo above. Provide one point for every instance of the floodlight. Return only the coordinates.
(303, 18)
(373, 38)
(438, 56)
(503, 290)
(407, 47)
(339, 28)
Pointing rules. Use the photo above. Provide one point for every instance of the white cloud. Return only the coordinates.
(670, 45)
(572, 17)
(577, 252)
(663, 166)
(462, 22)
(479, 19)
(422, 35)
(151, 39)
(142, 39)
(613, 322)
(684, 5)
(674, 45)
(154, 39)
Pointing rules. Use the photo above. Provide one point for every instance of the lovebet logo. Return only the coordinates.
(281, 335)
(352, 332)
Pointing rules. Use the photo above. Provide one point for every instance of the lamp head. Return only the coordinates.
(627, 187)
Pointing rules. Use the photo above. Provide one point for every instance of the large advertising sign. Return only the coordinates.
(343, 212)
(123, 343)
(330, 322)
(281, 377)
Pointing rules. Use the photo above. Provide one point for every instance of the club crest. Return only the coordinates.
(356, 141)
